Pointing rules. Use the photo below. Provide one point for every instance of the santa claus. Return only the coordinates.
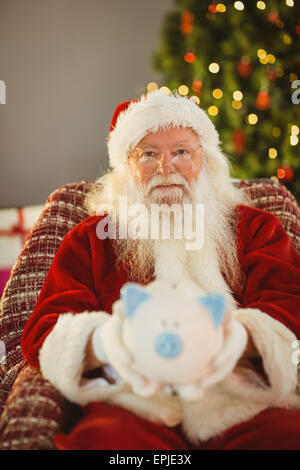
(165, 151)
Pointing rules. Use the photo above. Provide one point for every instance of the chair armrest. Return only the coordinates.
(33, 413)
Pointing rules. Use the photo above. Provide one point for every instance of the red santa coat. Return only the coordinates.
(84, 280)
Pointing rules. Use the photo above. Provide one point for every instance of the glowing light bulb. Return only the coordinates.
(196, 99)
(294, 130)
(263, 60)
(287, 39)
(183, 90)
(152, 86)
(276, 132)
(289, 3)
(236, 104)
(261, 5)
(237, 95)
(272, 153)
(271, 58)
(217, 93)
(294, 140)
(213, 110)
(214, 67)
(293, 77)
(261, 53)
(221, 8)
(252, 119)
(239, 6)
(165, 89)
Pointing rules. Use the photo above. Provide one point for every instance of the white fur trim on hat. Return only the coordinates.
(152, 112)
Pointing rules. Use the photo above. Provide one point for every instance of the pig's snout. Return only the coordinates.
(168, 345)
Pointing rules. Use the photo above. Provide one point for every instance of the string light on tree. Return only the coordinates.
(252, 119)
(273, 153)
(214, 67)
(236, 104)
(237, 95)
(293, 77)
(259, 43)
(166, 90)
(276, 131)
(213, 110)
(221, 8)
(217, 93)
(196, 99)
(152, 86)
(287, 39)
(261, 5)
(294, 140)
(239, 6)
(183, 90)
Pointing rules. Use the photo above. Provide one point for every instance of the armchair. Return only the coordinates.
(31, 409)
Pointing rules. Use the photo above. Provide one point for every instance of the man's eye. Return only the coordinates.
(150, 154)
(181, 152)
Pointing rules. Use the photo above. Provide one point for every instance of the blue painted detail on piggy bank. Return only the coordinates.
(168, 345)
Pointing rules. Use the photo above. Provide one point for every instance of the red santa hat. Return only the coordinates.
(133, 120)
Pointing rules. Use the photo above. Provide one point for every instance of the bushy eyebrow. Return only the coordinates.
(176, 144)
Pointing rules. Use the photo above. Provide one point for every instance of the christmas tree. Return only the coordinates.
(240, 60)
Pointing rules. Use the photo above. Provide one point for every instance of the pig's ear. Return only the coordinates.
(133, 295)
(215, 304)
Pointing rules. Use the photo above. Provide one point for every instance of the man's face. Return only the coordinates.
(168, 183)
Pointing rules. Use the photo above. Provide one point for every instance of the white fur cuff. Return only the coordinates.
(273, 341)
(62, 358)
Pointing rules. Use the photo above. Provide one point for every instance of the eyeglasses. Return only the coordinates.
(150, 160)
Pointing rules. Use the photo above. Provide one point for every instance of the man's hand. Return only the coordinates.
(236, 338)
(118, 357)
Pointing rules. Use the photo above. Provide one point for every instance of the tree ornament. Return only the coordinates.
(186, 22)
(274, 17)
(263, 100)
(244, 67)
(190, 57)
(239, 141)
(285, 174)
(197, 86)
(213, 8)
(271, 71)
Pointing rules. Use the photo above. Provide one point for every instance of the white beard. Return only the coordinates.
(168, 259)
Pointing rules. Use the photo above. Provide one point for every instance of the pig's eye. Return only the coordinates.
(176, 324)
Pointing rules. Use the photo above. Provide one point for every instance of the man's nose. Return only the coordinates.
(165, 167)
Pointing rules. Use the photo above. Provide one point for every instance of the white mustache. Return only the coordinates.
(159, 180)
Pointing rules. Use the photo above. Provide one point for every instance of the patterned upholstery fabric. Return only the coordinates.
(31, 409)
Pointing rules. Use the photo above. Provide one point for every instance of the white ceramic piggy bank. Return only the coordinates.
(173, 335)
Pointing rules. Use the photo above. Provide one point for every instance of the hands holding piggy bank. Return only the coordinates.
(168, 337)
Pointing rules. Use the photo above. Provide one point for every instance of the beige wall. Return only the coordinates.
(66, 65)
